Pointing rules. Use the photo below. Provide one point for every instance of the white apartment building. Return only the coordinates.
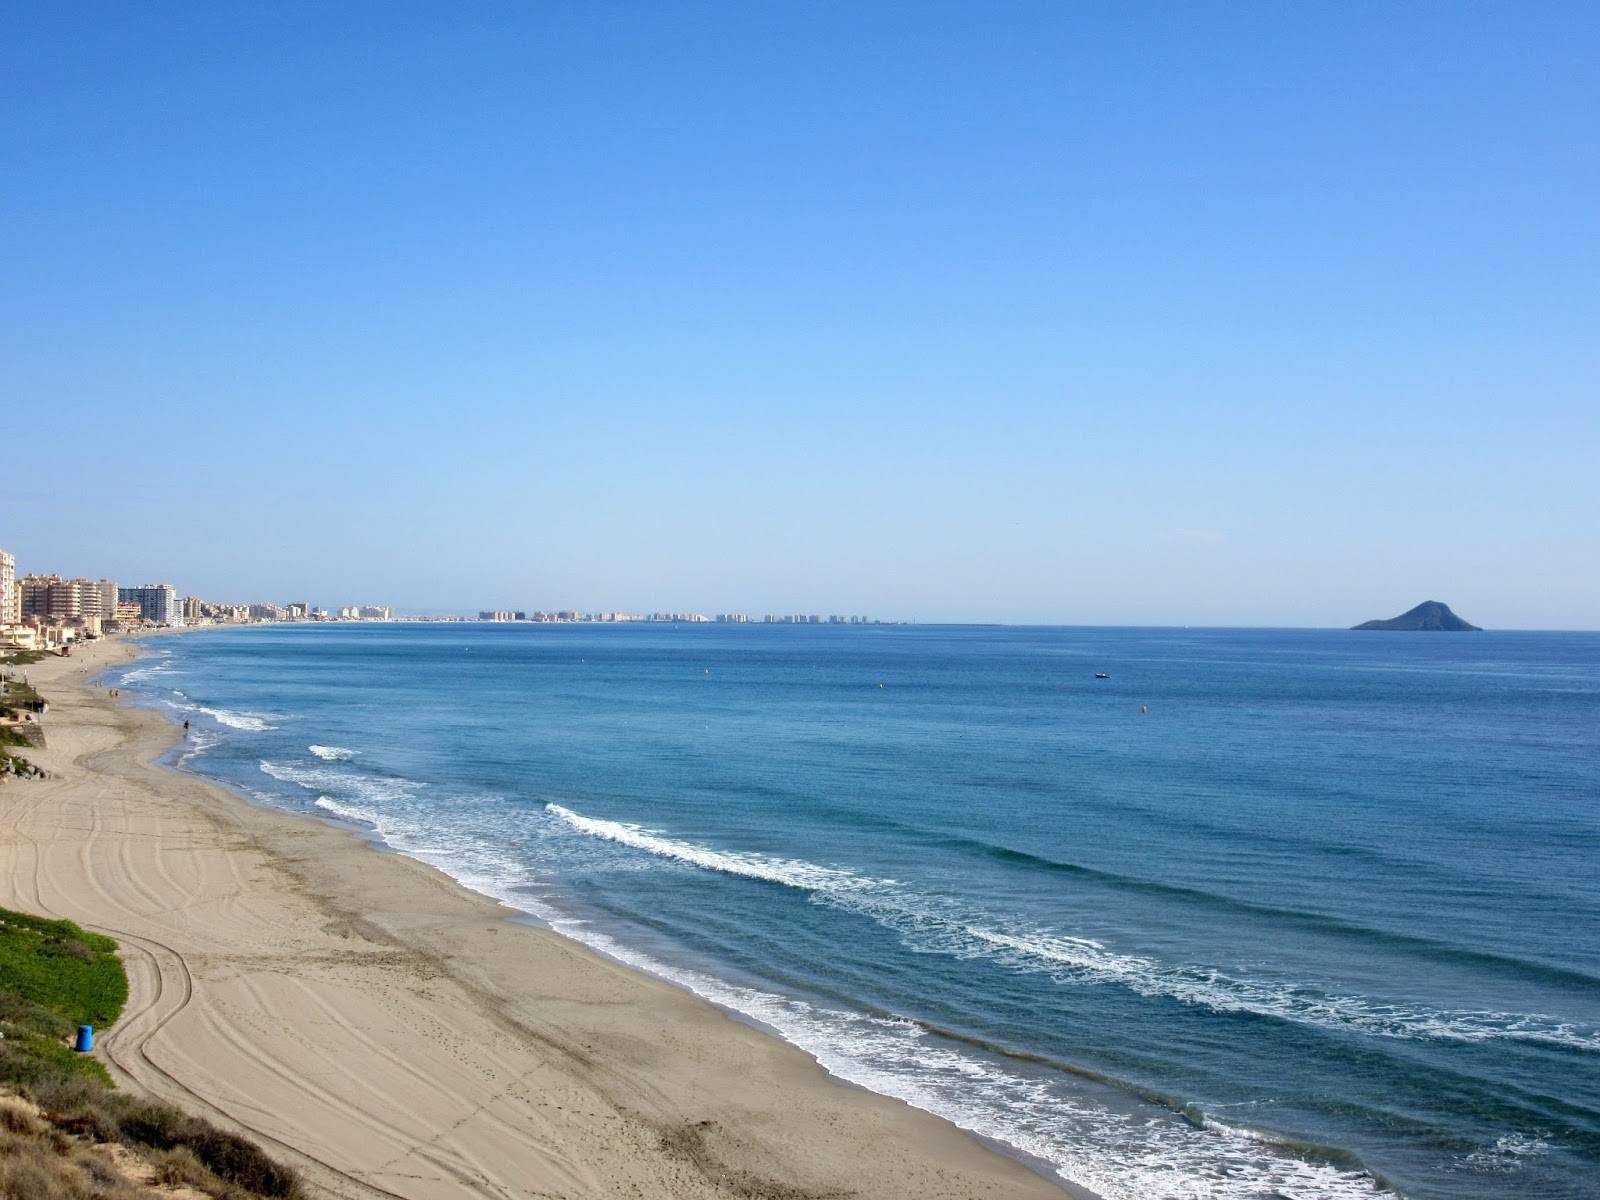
(10, 601)
(158, 602)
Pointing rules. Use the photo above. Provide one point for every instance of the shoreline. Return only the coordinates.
(395, 1033)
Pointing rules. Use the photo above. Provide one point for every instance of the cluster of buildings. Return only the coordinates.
(366, 612)
(46, 612)
(812, 619)
(206, 612)
(568, 615)
(41, 612)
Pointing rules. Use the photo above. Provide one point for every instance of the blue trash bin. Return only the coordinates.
(85, 1041)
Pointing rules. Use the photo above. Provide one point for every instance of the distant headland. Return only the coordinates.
(1434, 616)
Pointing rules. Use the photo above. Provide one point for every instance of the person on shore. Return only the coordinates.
(186, 729)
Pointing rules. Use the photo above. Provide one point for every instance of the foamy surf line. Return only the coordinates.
(1133, 1155)
(933, 924)
(198, 743)
(787, 871)
(247, 721)
(373, 791)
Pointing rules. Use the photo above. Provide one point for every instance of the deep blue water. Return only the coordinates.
(1325, 920)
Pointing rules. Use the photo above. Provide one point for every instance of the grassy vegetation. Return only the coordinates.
(21, 658)
(56, 966)
(55, 976)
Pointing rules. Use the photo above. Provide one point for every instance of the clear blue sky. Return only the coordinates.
(1223, 314)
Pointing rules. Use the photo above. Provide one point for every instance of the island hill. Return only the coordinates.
(1431, 616)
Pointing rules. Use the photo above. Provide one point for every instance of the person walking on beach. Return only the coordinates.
(186, 729)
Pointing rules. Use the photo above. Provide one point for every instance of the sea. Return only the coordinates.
(1261, 914)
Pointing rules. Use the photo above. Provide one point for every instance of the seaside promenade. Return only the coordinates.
(393, 1034)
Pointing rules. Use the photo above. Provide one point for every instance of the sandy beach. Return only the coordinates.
(393, 1034)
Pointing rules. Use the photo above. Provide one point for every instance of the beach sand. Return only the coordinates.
(393, 1034)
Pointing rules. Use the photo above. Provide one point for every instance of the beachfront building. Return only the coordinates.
(10, 602)
(197, 610)
(105, 598)
(50, 599)
(158, 603)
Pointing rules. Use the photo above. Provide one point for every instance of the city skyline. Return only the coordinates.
(82, 606)
(37, 597)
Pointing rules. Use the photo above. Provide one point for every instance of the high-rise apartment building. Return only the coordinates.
(10, 602)
(158, 602)
(50, 599)
(106, 596)
(54, 600)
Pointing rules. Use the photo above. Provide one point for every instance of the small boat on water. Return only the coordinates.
(1101, 675)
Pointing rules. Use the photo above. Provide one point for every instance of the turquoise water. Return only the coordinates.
(1323, 922)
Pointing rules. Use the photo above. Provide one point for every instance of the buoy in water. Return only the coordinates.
(1144, 708)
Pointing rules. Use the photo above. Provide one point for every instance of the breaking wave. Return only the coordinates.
(1130, 1153)
(932, 924)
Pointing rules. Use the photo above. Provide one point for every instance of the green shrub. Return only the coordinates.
(241, 1162)
(151, 1123)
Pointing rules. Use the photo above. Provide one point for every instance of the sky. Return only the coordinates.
(1206, 314)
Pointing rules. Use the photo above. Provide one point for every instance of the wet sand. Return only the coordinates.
(394, 1034)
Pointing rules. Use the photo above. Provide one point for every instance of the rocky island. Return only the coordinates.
(1432, 616)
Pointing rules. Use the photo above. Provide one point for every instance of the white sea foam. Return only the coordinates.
(1507, 1154)
(788, 871)
(369, 790)
(149, 671)
(349, 812)
(1138, 1154)
(1075, 959)
(935, 925)
(199, 742)
(1120, 1153)
(254, 722)
(332, 753)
